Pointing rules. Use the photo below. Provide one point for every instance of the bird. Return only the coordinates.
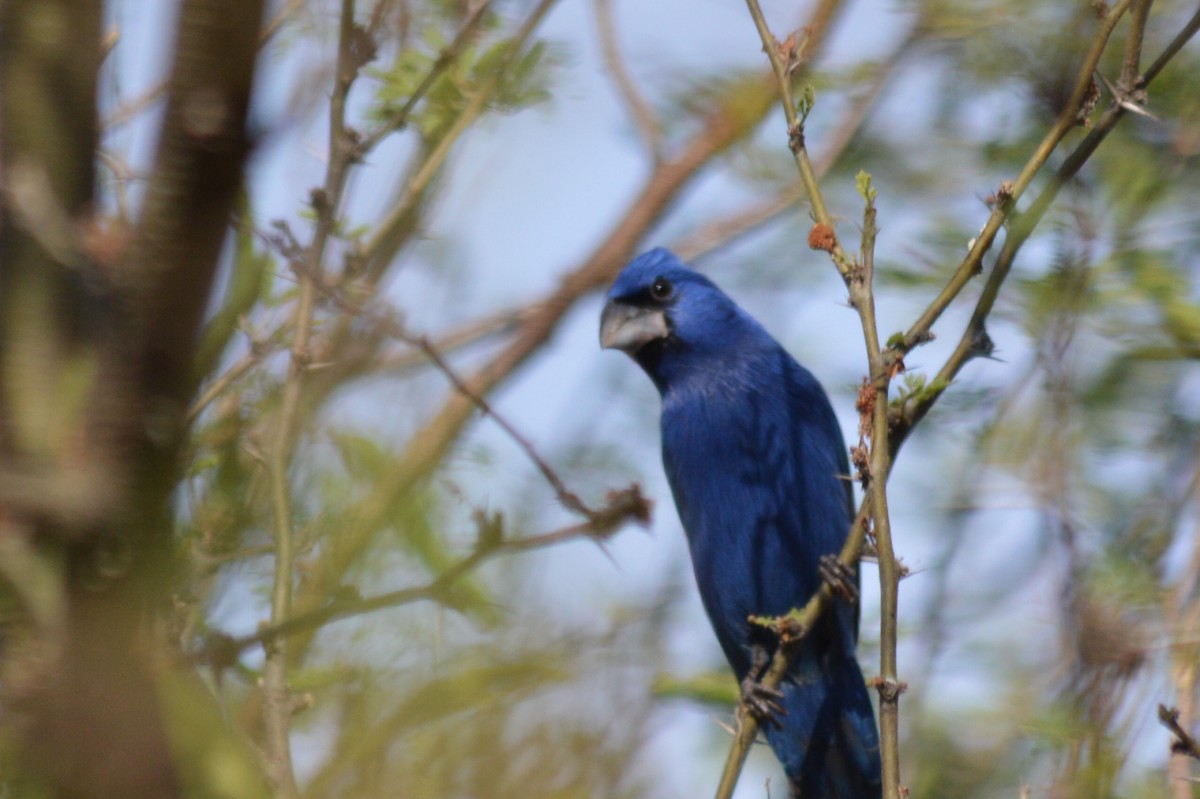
(758, 470)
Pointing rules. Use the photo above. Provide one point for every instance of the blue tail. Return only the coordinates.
(828, 743)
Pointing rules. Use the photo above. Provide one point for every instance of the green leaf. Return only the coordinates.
(808, 99)
(862, 182)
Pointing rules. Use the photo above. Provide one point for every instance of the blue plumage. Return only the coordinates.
(758, 469)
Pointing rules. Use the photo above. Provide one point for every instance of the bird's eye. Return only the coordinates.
(661, 289)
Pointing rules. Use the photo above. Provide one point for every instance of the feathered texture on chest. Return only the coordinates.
(717, 447)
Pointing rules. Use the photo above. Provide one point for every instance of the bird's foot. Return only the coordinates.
(840, 577)
(762, 702)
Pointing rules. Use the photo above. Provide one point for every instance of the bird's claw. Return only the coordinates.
(839, 577)
(763, 703)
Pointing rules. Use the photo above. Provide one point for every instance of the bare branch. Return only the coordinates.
(277, 709)
(1184, 742)
(569, 499)
(622, 506)
(643, 115)
(377, 252)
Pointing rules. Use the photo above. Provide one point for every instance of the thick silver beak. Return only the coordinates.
(628, 327)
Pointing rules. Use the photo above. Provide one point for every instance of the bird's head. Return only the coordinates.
(671, 319)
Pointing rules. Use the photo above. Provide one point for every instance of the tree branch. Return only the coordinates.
(622, 506)
(1184, 742)
(446, 58)
(377, 252)
(1010, 193)
(129, 310)
(277, 704)
(640, 111)
(974, 340)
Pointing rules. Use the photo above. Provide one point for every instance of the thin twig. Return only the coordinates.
(1171, 50)
(1184, 742)
(643, 115)
(782, 57)
(445, 59)
(862, 296)
(793, 628)
(974, 340)
(1011, 192)
(219, 385)
(481, 329)
(569, 499)
(1133, 45)
(378, 250)
(858, 275)
(723, 232)
(277, 707)
(623, 506)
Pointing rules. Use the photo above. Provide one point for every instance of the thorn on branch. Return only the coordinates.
(626, 504)
(981, 345)
(861, 461)
(1084, 117)
(1184, 743)
(1003, 197)
(489, 530)
(788, 628)
(1132, 99)
(796, 144)
(889, 689)
(362, 50)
